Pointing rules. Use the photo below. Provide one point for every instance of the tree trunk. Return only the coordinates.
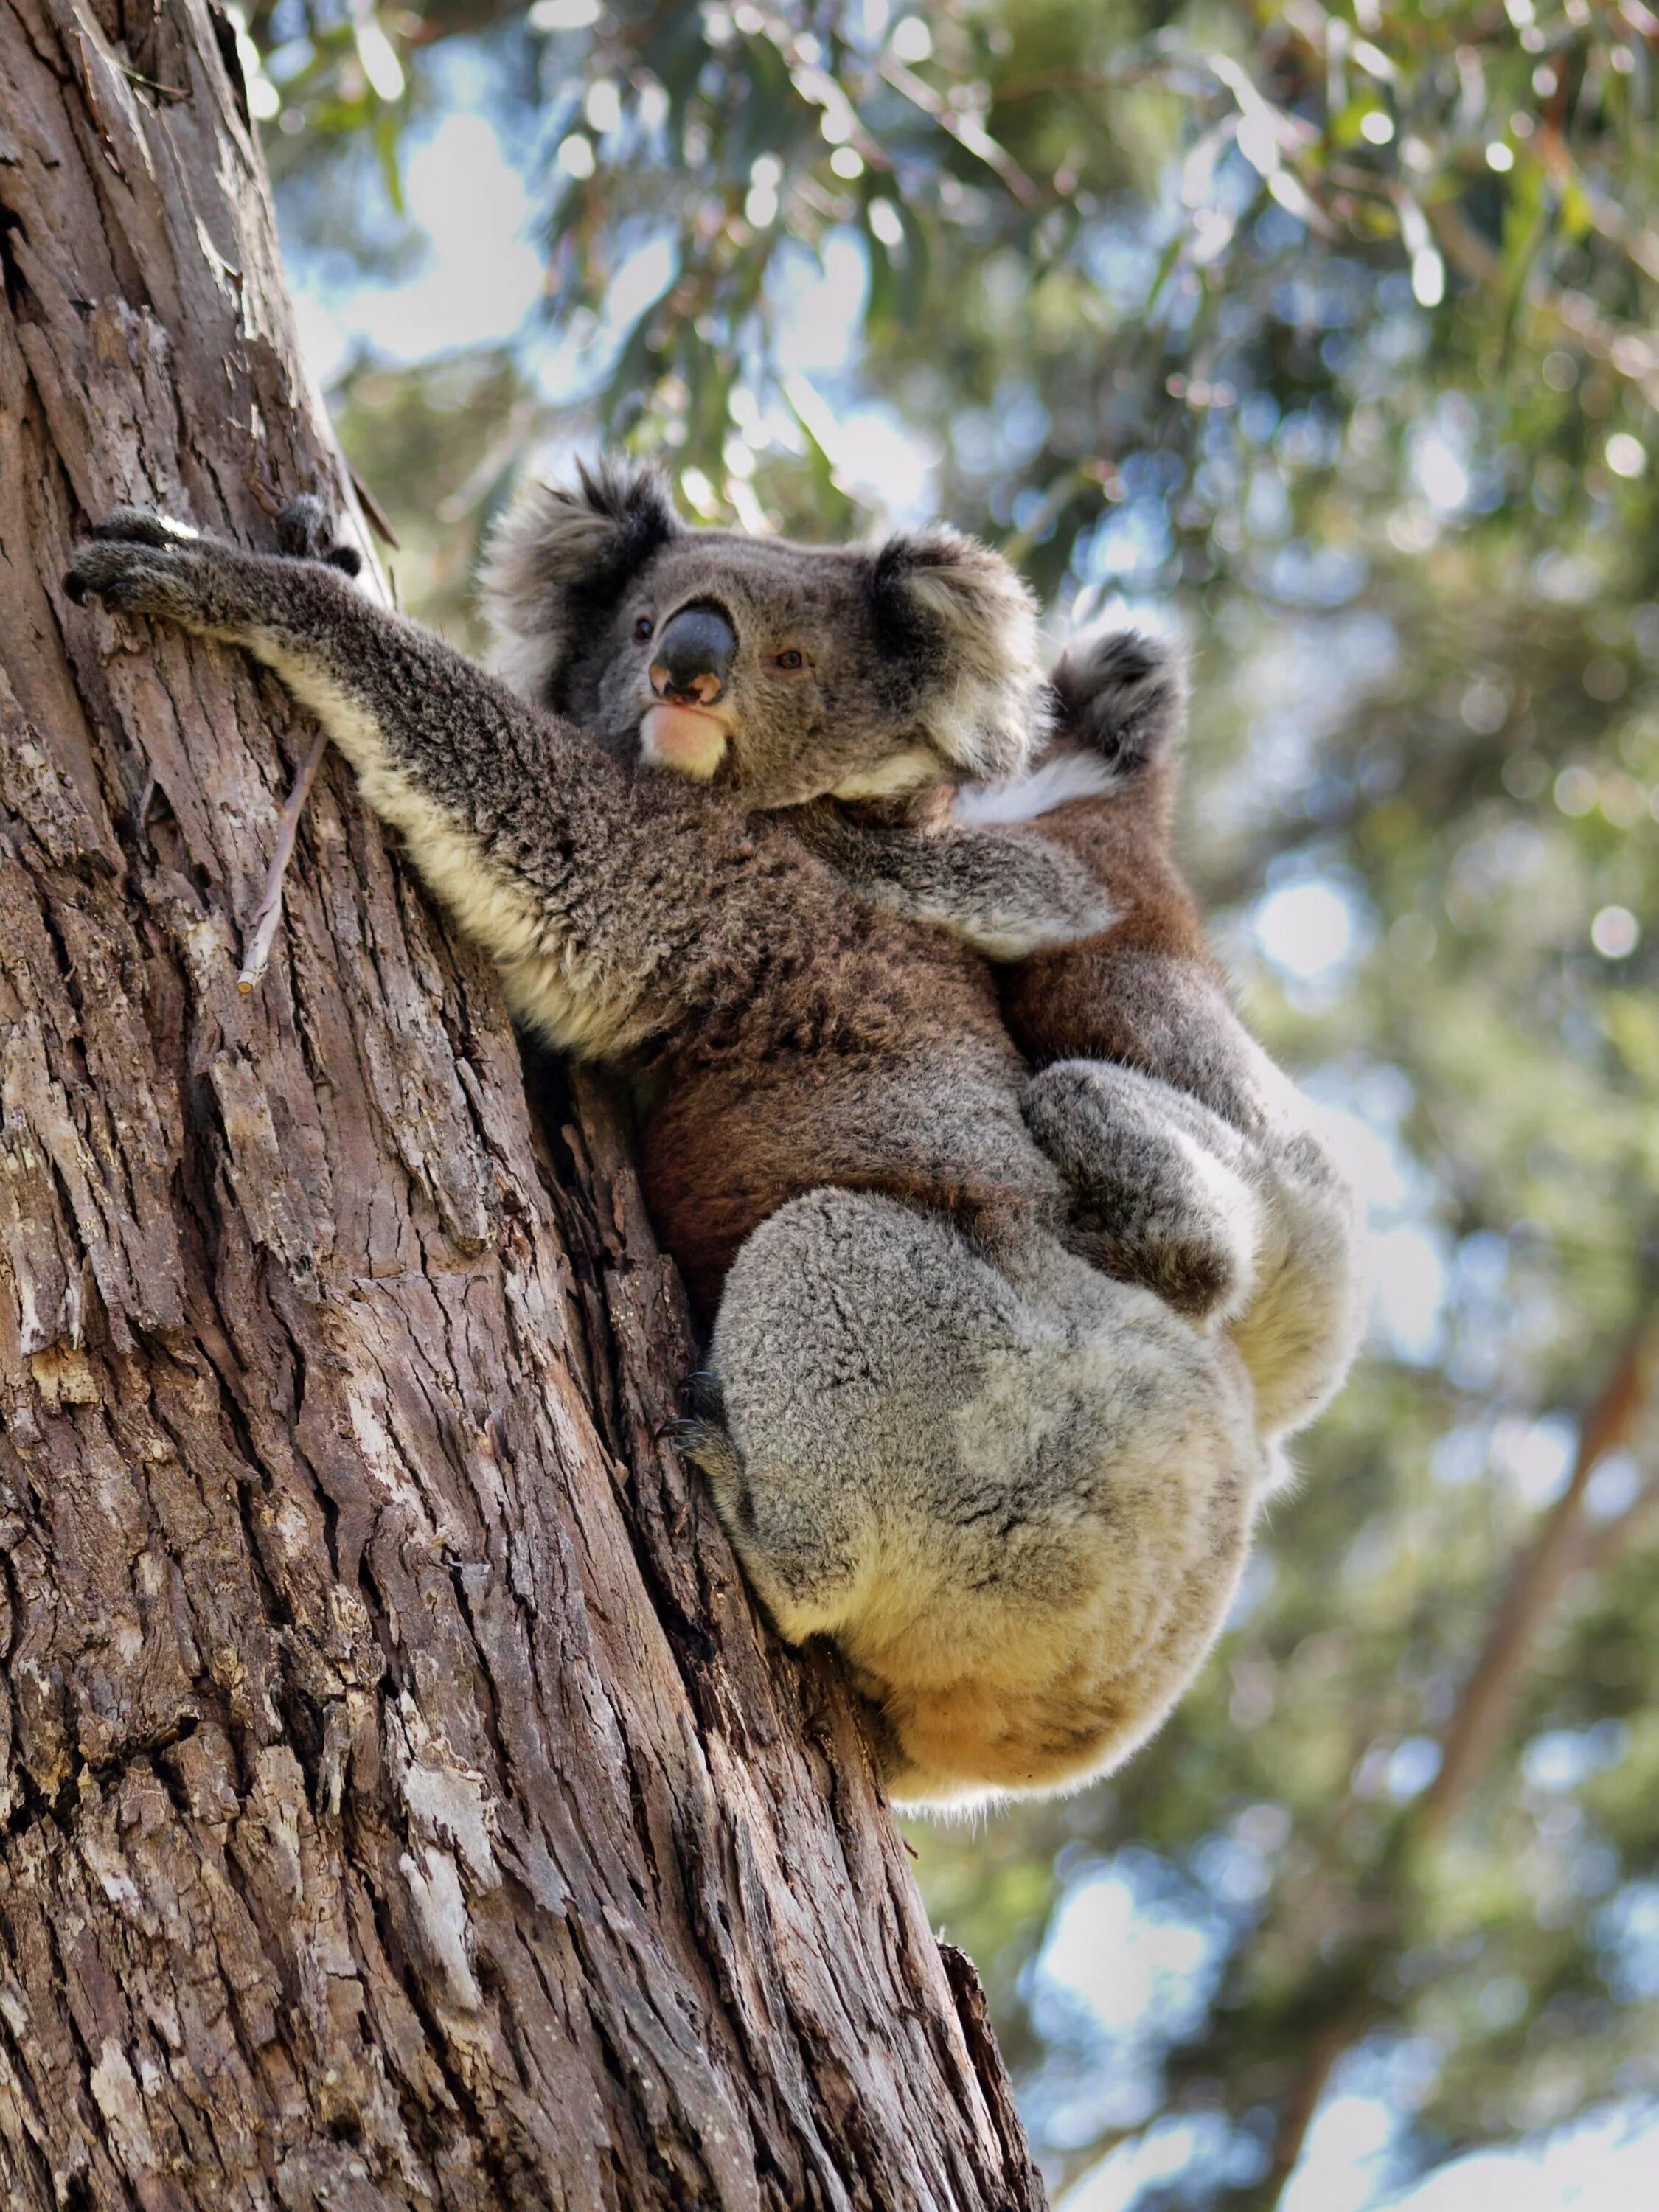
(402, 1806)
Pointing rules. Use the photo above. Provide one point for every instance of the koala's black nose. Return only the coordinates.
(692, 659)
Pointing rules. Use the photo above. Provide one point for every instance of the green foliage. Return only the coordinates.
(1332, 327)
(439, 449)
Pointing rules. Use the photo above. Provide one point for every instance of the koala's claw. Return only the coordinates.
(304, 531)
(143, 525)
(707, 1445)
(131, 575)
(700, 1436)
(705, 1394)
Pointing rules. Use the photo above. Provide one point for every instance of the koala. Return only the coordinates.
(1192, 1161)
(770, 675)
(1015, 1492)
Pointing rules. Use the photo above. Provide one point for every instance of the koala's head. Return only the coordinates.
(778, 671)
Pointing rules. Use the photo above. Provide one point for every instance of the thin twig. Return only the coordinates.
(1329, 2045)
(964, 127)
(149, 83)
(1600, 1546)
(373, 511)
(268, 912)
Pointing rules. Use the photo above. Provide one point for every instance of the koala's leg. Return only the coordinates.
(1245, 1219)
(1163, 1189)
(1300, 1330)
(529, 833)
(1300, 1326)
(1006, 896)
(1016, 1496)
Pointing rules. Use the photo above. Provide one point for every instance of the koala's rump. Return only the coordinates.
(940, 1126)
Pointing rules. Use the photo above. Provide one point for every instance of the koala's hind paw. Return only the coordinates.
(304, 531)
(705, 1443)
(1199, 1275)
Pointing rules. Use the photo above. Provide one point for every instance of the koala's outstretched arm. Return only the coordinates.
(1006, 896)
(530, 833)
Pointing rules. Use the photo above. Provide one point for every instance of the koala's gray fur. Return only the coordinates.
(925, 646)
(1017, 1493)
(1194, 1161)
(1018, 1496)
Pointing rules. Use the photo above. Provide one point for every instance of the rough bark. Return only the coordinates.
(401, 1804)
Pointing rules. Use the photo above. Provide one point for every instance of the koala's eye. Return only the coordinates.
(791, 661)
(643, 627)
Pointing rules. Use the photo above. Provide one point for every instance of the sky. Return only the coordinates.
(1121, 1970)
(480, 279)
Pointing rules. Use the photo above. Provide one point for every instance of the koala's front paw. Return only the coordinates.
(705, 1443)
(304, 531)
(143, 525)
(703, 1439)
(141, 563)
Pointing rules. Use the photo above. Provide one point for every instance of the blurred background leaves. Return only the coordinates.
(1331, 334)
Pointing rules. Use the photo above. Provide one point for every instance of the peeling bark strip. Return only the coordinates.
(400, 1805)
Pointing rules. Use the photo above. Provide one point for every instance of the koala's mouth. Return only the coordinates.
(689, 739)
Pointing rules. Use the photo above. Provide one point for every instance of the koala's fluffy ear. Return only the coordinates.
(960, 609)
(559, 557)
(1121, 693)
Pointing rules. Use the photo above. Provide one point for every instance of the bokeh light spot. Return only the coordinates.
(1615, 932)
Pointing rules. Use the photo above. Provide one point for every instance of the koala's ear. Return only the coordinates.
(557, 560)
(959, 616)
(1121, 693)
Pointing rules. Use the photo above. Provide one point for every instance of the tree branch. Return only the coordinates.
(1476, 1729)
(1475, 1733)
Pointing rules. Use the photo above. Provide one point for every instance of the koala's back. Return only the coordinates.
(1268, 1222)
(881, 1062)
(1147, 992)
